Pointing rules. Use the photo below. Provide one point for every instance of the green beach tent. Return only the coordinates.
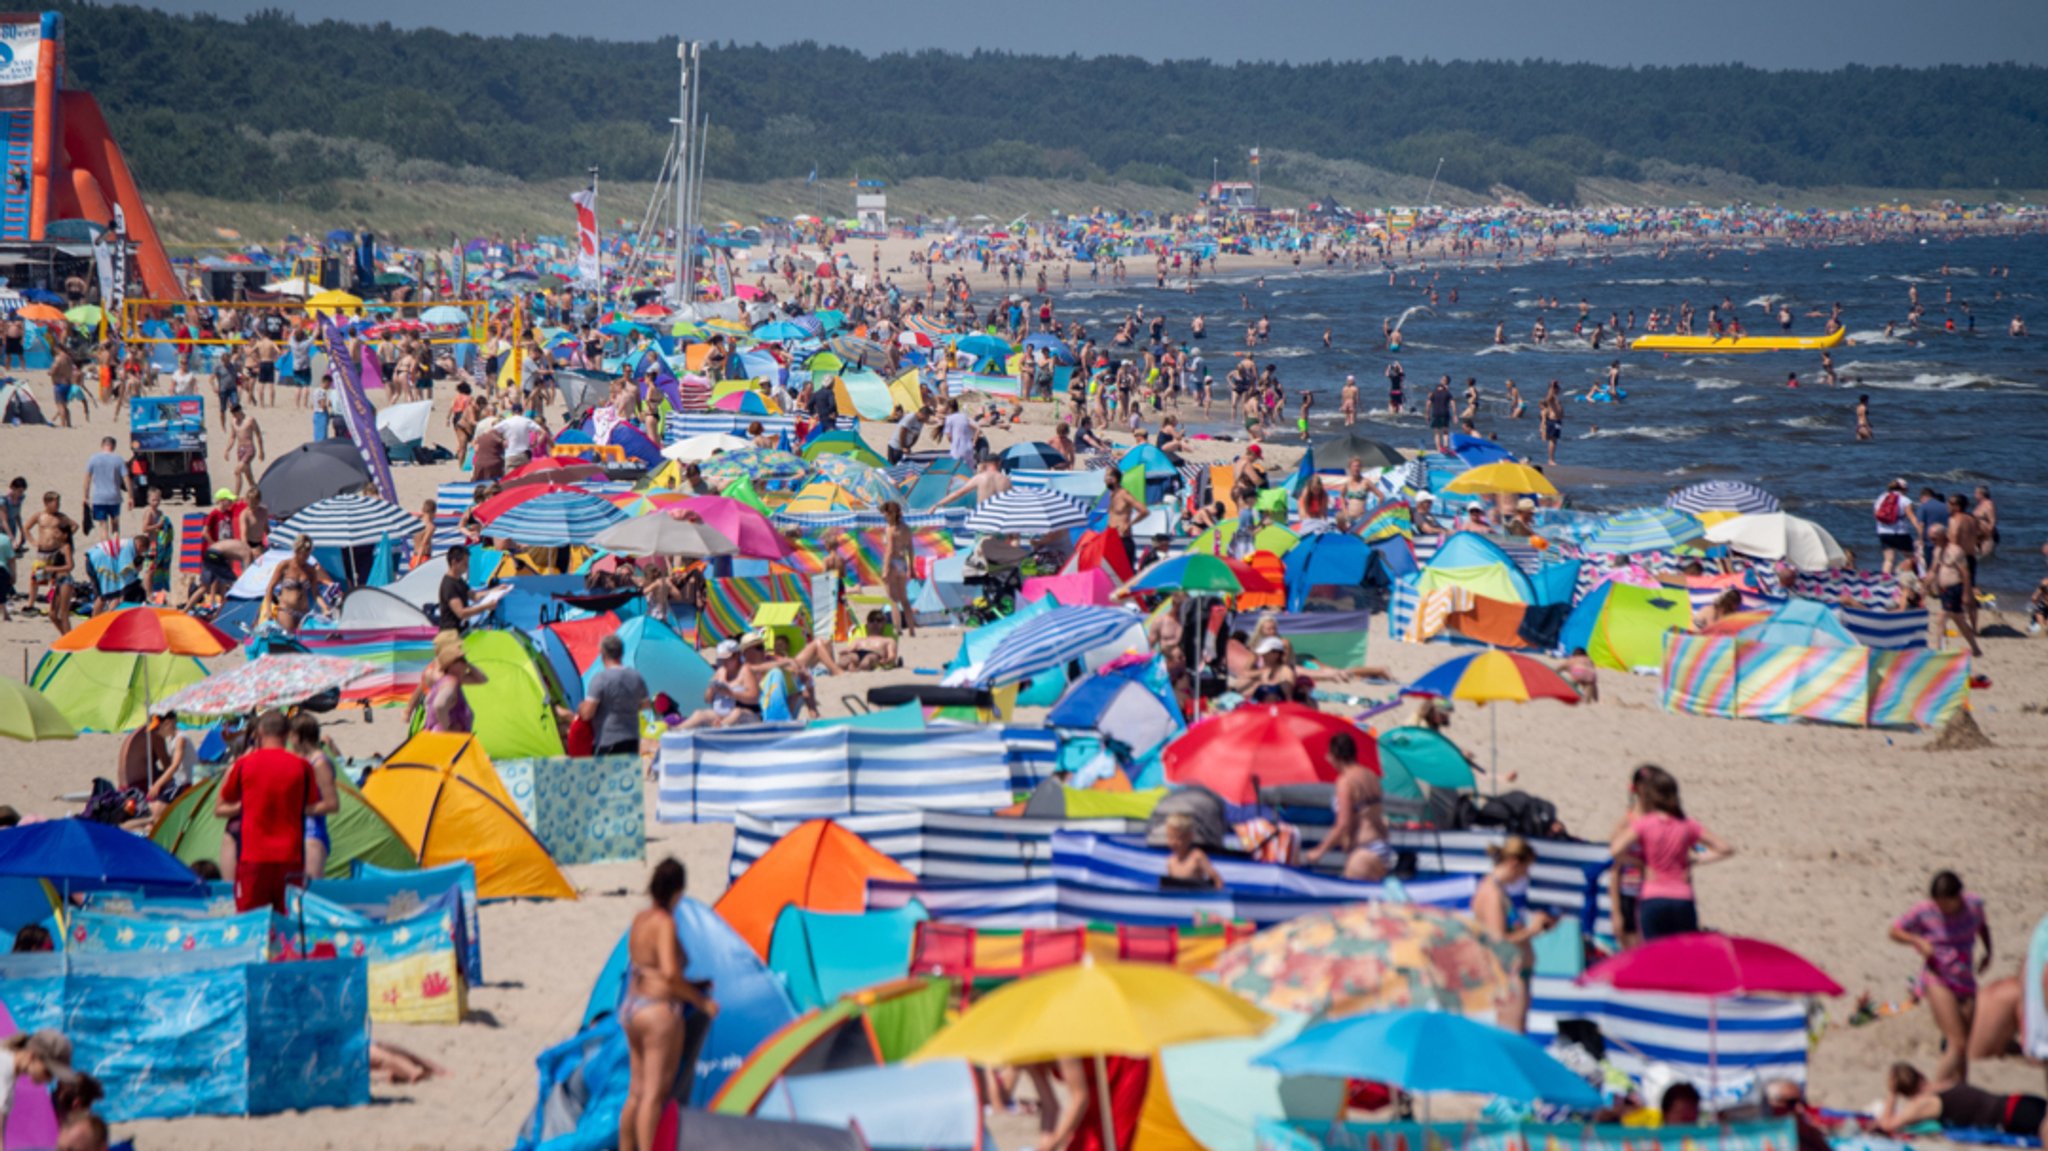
(106, 690)
(1411, 757)
(191, 831)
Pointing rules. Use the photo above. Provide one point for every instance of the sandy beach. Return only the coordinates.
(1837, 829)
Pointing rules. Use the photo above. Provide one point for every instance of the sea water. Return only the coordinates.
(1950, 409)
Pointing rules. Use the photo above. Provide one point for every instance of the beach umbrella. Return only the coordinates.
(1424, 1051)
(560, 470)
(1642, 530)
(762, 465)
(557, 518)
(984, 347)
(745, 526)
(856, 350)
(912, 338)
(41, 314)
(1027, 512)
(1265, 538)
(655, 534)
(781, 331)
(345, 522)
(1093, 1010)
(1366, 957)
(87, 852)
(1713, 966)
(825, 363)
(297, 287)
(1476, 450)
(1261, 745)
(747, 403)
(1031, 455)
(1338, 450)
(27, 716)
(310, 473)
(1722, 496)
(275, 680)
(1049, 344)
(146, 631)
(842, 442)
(1493, 677)
(444, 316)
(1780, 536)
(697, 449)
(866, 481)
(1198, 572)
(1501, 478)
(84, 316)
(1061, 636)
(582, 390)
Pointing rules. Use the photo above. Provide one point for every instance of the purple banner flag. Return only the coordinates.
(356, 411)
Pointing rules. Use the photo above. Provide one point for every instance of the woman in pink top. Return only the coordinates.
(1944, 929)
(1665, 839)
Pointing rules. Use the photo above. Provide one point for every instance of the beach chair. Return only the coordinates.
(781, 621)
(1141, 944)
(1047, 948)
(945, 949)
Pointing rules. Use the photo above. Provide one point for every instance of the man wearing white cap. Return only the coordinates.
(734, 695)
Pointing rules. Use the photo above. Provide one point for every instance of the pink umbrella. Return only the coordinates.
(743, 525)
(1709, 964)
(1073, 589)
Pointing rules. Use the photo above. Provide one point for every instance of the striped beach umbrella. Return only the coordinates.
(1642, 530)
(1059, 637)
(556, 519)
(1723, 496)
(1027, 512)
(345, 522)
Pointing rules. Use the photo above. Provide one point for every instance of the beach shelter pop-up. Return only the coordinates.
(443, 797)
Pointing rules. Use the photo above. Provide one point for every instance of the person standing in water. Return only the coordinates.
(1551, 409)
(1396, 375)
(653, 1005)
(1863, 432)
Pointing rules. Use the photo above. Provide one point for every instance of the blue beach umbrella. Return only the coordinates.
(1432, 1051)
(1057, 638)
(1723, 496)
(1642, 530)
(85, 852)
(557, 519)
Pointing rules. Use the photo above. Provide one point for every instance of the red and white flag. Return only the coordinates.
(588, 270)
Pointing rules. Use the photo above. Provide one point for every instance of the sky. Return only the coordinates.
(1761, 33)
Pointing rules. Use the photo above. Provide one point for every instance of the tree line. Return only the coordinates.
(270, 107)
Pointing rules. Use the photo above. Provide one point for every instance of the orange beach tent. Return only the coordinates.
(820, 866)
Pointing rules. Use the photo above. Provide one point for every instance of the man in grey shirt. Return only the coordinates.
(613, 702)
(106, 483)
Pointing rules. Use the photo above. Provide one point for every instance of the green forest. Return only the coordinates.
(271, 107)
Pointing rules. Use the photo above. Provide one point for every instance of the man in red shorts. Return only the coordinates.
(267, 793)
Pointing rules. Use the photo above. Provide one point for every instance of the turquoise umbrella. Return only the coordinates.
(1424, 1051)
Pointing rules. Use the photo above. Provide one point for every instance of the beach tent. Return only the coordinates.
(191, 831)
(1801, 623)
(1470, 561)
(1132, 705)
(752, 1004)
(18, 406)
(1053, 800)
(515, 711)
(820, 866)
(1345, 562)
(822, 955)
(376, 609)
(1622, 626)
(664, 659)
(1415, 758)
(441, 795)
(109, 690)
(933, 1106)
(881, 1025)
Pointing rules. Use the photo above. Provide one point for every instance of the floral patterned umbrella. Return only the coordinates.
(1366, 957)
(269, 681)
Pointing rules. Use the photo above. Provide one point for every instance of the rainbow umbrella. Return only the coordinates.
(758, 464)
(147, 630)
(1366, 957)
(840, 442)
(1197, 572)
(746, 404)
(1493, 677)
(869, 483)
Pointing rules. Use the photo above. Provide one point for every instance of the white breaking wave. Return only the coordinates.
(1716, 383)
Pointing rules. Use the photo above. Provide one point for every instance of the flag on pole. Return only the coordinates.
(589, 273)
(357, 413)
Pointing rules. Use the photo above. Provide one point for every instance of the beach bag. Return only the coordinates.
(113, 805)
(1888, 508)
(1519, 813)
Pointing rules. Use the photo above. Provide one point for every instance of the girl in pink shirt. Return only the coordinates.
(1665, 838)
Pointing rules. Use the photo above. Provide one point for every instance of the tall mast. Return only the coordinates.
(685, 52)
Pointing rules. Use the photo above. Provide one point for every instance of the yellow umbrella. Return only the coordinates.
(1496, 479)
(1094, 1010)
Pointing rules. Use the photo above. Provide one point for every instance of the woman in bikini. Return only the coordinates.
(1357, 491)
(1360, 830)
(896, 567)
(293, 586)
(652, 1008)
(1501, 907)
